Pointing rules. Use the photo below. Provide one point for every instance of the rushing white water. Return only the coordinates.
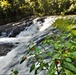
(32, 33)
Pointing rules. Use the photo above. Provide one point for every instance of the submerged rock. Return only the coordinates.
(5, 48)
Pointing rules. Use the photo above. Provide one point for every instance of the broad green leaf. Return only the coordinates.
(32, 67)
(37, 50)
(52, 72)
(68, 44)
(41, 65)
(51, 67)
(68, 59)
(50, 41)
(69, 72)
(69, 66)
(60, 46)
(57, 46)
(73, 54)
(50, 53)
(74, 32)
(15, 72)
(56, 56)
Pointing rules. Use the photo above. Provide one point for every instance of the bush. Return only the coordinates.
(65, 24)
(22, 8)
(61, 53)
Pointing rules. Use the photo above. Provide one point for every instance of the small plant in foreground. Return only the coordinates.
(62, 55)
(14, 72)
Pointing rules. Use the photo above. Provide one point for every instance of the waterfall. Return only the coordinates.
(33, 33)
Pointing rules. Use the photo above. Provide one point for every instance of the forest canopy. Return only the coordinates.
(11, 10)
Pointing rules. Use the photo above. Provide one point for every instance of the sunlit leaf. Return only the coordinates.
(41, 65)
(73, 54)
(56, 56)
(69, 72)
(51, 69)
(68, 44)
(37, 50)
(69, 66)
(74, 32)
(68, 59)
(50, 53)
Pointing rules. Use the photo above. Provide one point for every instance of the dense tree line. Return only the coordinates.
(11, 10)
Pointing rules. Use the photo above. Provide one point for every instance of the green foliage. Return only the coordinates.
(32, 67)
(68, 72)
(65, 24)
(14, 72)
(73, 55)
(51, 71)
(62, 55)
(68, 60)
(22, 8)
(69, 67)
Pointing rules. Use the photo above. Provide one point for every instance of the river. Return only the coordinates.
(33, 33)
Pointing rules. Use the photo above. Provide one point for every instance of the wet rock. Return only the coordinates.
(41, 19)
(16, 31)
(0, 34)
(29, 23)
(3, 34)
(14, 28)
(5, 48)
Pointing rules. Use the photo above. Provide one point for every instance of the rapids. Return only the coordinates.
(33, 33)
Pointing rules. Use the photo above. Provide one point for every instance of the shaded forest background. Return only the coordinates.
(12, 10)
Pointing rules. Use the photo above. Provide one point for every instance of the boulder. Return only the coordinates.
(5, 48)
(41, 19)
(16, 31)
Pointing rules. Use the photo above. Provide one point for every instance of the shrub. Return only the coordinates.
(21, 8)
(61, 53)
